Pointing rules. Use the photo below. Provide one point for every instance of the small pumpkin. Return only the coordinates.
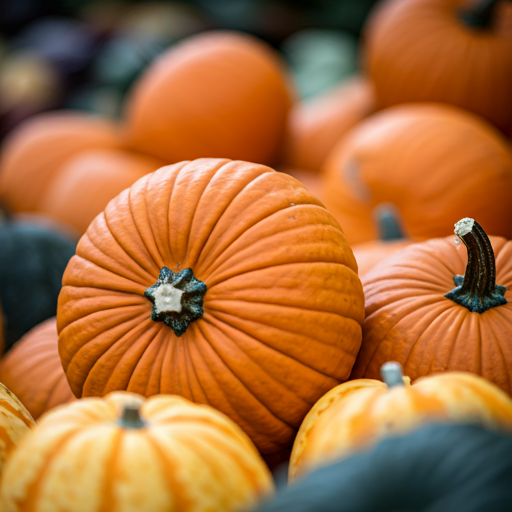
(222, 281)
(217, 94)
(123, 453)
(34, 152)
(316, 126)
(33, 372)
(15, 422)
(450, 51)
(358, 414)
(436, 468)
(434, 163)
(89, 180)
(422, 312)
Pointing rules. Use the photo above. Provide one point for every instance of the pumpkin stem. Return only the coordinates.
(392, 374)
(477, 289)
(480, 16)
(388, 222)
(131, 418)
(177, 299)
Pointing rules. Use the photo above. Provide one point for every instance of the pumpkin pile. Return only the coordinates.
(261, 278)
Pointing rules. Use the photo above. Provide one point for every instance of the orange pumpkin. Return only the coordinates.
(310, 179)
(217, 94)
(421, 312)
(33, 154)
(2, 341)
(15, 422)
(316, 126)
(222, 281)
(434, 163)
(358, 414)
(87, 182)
(453, 51)
(33, 372)
(125, 454)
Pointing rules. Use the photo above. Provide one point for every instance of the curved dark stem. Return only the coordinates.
(131, 418)
(480, 16)
(477, 290)
(388, 222)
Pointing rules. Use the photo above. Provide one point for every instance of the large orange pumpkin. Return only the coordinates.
(434, 163)
(316, 126)
(124, 454)
(222, 281)
(33, 154)
(33, 372)
(87, 182)
(453, 51)
(358, 414)
(423, 314)
(217, 94)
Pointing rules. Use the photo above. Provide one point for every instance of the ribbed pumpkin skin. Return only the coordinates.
(282, 314)
(33, 154)
(359, 413)
(409, 320)
(87, 182)
(187, 458)
(15, 422)
(369, 254)
(419, 50)
(217, 94)
(33, 372)
(436, 164)
(316, 126)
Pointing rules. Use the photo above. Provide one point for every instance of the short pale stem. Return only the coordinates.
(392, 374)
(131, 418)
(481, 15)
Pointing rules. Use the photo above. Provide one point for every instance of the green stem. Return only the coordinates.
(480, 16)
(392, 374)
(131, 418)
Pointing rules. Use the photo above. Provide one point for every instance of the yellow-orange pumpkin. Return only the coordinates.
(124, 454)
(218, 94)
(310, 179)
(359, 413)
(223, 281)
(33, 372)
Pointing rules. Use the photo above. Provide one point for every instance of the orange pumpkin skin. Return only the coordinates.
(87, 182)
(420, 50)
(33, 154)
(409, 319)
(317, 125)
(282, 310)
(359, 413)
(310, 179)
(15, 422)
(218, 94)
(434, 163)
(163, 455)
(33, 372)
(369, 254)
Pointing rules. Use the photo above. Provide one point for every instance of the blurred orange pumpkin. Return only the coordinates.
(218, 94)
(310, 179)
(453, 51)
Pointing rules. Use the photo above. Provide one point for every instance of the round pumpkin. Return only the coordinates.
(421, 312)
(217, 94)
(222, 281)
(434, 163)
(35, 151)
(124, 454)
(316, 126)
(88, 181)
(33, 372)
(434, 469)
(15, 422)
(452, 51)
(359, 413)
(310, 179)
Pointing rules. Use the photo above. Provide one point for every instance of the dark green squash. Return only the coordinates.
(439, 468)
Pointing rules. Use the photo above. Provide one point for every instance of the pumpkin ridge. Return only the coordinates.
(108, 500)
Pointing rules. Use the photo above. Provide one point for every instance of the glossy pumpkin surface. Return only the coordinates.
(124, 454)
(279, 320)
(33, 372)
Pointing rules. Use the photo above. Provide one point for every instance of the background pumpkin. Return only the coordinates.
(434, 163)
(446, 51)
(409, 318)
(281, 316)
(33, 154)
(358, 414)
(310, 179)
(218, 94)
(33, 372)
(160, 455)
